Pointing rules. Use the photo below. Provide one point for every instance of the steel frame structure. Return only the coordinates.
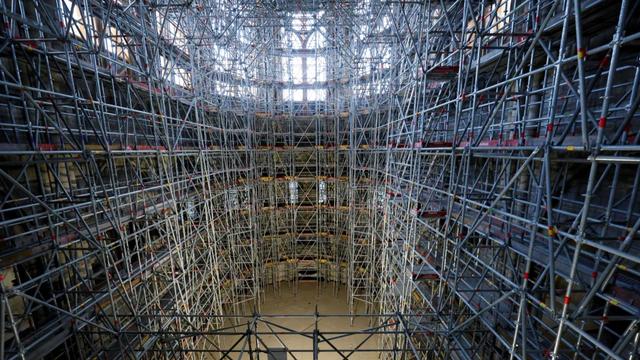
(470, 168)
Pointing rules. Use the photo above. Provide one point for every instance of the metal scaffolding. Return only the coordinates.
(512, 177)
(467, 169)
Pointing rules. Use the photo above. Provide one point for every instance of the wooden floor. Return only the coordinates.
(305, 301)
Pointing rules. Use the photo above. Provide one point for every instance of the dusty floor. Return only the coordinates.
(305, 302)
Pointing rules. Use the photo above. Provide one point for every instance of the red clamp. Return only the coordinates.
(602, 122)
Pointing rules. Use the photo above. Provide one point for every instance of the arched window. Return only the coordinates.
(291, 40)
(316, 40)
(316, 69)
